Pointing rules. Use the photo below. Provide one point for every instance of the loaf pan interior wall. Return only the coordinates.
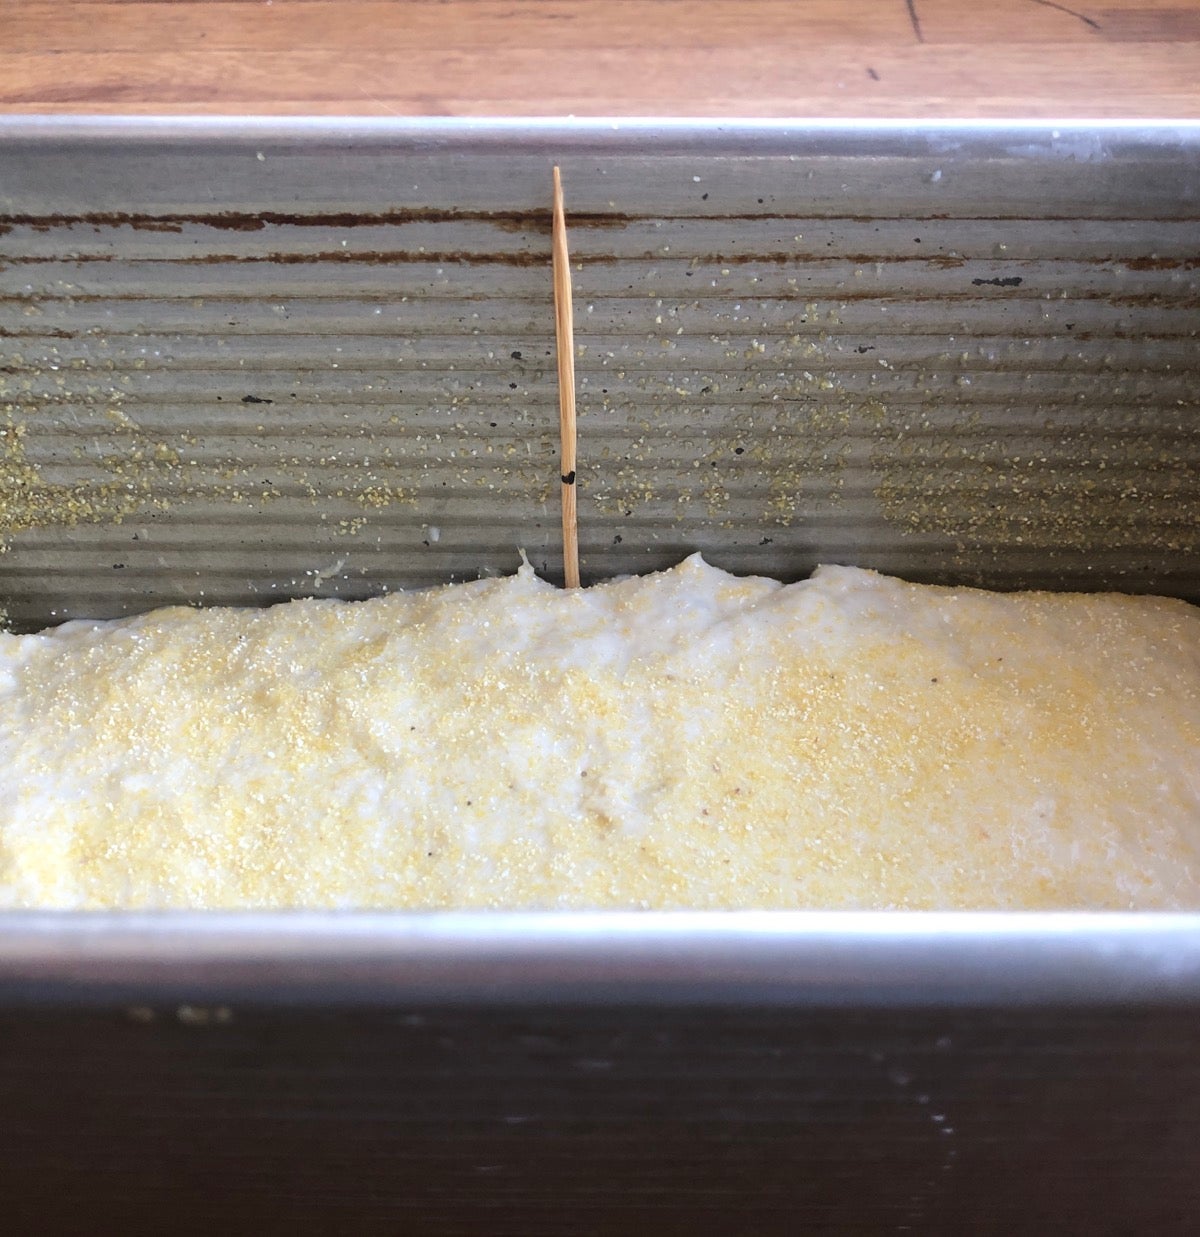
(243, 363)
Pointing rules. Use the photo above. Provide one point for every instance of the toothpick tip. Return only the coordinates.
(565, 339)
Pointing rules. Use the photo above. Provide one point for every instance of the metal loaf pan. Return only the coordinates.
(248, 360)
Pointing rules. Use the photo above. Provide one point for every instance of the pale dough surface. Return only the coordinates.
(688, 739)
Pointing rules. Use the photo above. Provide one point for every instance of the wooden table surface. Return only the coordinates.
(1080, 58)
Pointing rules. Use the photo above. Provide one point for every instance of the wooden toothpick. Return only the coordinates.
(564, 330)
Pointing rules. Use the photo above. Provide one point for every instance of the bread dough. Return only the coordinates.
(688, 739)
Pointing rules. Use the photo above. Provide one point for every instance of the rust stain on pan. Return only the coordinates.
(517, 221)
(782, 257)
(1154, 263)
(340, 256)
(257, 221)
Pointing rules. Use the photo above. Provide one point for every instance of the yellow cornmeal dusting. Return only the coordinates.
(127, 472)
(684, 740)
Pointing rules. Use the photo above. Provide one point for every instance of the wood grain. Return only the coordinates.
(607, 57)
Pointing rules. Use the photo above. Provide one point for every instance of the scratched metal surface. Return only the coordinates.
(555, 1122)
(240, 361)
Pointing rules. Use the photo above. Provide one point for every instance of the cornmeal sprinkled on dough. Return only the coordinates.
(688, 739)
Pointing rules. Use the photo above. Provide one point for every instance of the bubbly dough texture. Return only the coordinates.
(689, 739)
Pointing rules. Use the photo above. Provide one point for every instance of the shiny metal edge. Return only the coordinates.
(1068, 138)
(769, 959)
